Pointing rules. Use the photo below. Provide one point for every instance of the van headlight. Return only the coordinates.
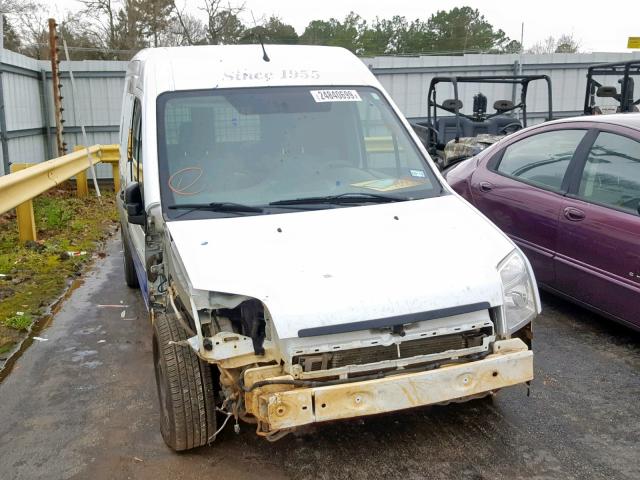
(519, 306)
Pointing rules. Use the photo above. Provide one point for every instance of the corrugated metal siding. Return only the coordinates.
(99, 89)
(406, 78)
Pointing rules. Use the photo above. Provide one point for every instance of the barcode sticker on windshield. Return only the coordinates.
(335, 96)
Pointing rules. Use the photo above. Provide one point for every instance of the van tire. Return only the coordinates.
(185, 388)
(130, 277)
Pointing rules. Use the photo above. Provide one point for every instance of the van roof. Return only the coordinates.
(232, 66)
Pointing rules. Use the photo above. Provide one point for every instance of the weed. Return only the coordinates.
(6, 347)
(19, 322)
(56, 214)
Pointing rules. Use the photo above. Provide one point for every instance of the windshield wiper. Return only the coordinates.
(350, 197)
(215, 207)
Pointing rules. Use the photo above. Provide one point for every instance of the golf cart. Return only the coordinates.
(623, 101)
(455, 136)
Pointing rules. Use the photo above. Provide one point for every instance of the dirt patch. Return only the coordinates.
(33, 275)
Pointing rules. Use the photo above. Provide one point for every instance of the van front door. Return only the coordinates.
(135, 233)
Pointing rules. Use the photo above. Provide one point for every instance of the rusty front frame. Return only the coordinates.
(279, 407)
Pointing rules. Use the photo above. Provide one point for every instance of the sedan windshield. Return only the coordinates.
(276, 147)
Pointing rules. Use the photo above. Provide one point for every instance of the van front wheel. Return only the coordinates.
(185, 388)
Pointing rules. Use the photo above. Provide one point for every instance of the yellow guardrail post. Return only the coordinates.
(82, 190)
(111, 154)
(24, 212)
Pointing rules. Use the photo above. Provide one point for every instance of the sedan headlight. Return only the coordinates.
(519, 306)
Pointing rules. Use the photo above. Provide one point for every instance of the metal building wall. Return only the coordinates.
(28, 136)
(407, 78)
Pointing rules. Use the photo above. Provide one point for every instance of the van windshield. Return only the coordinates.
(277, 146)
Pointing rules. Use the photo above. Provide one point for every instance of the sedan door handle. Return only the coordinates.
(574, 214)
(486, 186)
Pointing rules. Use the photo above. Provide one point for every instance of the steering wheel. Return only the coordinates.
(510, 128)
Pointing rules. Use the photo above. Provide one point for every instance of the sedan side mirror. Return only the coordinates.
(134, 205)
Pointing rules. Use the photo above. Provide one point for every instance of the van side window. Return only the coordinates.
(541, 159)
(136, 129)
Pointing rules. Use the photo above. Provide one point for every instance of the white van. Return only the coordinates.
(301, 258)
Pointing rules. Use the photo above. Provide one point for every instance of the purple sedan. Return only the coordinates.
(568, 193)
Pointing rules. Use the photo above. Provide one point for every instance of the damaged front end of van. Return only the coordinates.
(300, 255)
(301, 343)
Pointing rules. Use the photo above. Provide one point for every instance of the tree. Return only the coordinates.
(76, 32)
(99, 10)
(11, 40)
(129, 31)
(416, 37)
(463, 29)
(154, 18)
(377, 39)
(116, 27)
(567, 44)
(184, 29)
(279, 32)
(347, 34)
(222, 24)
(513, 46)
(564, 44)
(27, 22)
(460, 29)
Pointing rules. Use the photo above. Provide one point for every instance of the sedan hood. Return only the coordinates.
(327, 267)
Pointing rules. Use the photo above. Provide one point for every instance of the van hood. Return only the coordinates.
(327, 267)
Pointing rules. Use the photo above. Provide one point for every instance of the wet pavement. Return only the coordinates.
(82, 404)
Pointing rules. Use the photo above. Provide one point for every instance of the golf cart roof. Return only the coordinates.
(509, 79)
(614, 68)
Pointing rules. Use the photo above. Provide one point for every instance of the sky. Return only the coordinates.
(596, 28)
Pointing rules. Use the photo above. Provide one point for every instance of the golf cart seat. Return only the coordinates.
(503, 106)
(447, 129)
(450, 105)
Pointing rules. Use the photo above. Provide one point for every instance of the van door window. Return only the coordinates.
(136, 139)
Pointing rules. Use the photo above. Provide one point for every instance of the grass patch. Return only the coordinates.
(19, 322)
(34, 274)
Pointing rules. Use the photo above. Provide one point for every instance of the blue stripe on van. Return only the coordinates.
(142, 276)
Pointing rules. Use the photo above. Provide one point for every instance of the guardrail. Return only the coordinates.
(28, 180)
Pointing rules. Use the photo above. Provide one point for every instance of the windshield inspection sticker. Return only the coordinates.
(335, 96)
(389, 184)
(417, 173)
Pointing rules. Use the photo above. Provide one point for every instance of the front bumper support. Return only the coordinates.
(510, 363)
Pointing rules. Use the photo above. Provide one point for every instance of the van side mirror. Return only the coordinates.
(134, 205)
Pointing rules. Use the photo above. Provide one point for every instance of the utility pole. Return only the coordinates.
(56, 85)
